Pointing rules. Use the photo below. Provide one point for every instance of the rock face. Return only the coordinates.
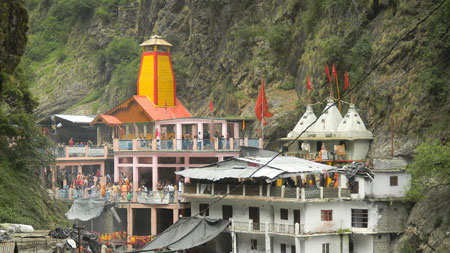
(13, 28)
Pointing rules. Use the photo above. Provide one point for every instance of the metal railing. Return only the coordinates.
(250, 226)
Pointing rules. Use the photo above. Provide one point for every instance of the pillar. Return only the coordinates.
(154, 172)
(186, 162)
(154, 221)
(129, 225)
(53, 169)
(102, 169)
(200, 128)
(116, 169)
(176, 214)
(99, 135)
(178, 135)
(220, 158)
(80, 168)
(178, 161)
(267, 241)
(297, 244)
(236, 130)
(224, 129)
(135, 177)
(234, 241)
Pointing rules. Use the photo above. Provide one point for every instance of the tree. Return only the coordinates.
(430, 168)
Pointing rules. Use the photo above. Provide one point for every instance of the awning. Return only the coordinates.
(186, 233)
(85, 209)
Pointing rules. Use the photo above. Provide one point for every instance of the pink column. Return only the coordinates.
(224, 129)
(116, 169)
(178, 161)
(80, 168)
(186, 162)
(154, 222)
(179, 135)
(236, 130)
(102, 169)
(135, 177)
(155, 172)
(220, 158)
(175, 214)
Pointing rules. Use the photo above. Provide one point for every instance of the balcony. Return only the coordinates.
(271, 228)
(70, 153)
(264, 192)
(185, 145)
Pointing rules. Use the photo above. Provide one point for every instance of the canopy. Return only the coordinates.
(85, 209)
(188, 232)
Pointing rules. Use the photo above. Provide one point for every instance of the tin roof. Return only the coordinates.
(156, 40)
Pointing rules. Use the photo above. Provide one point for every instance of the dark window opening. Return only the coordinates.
(325, 248)
(293, 249)
(393, 181)
(360, 218)
(227, 212)
(355, 188)
(326, 215)
(283, 214)
(283, 248)
(254, 244)
(204, 210)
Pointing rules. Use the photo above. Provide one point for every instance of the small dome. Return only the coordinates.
(328, 122)
(352, 125)
(307, 118)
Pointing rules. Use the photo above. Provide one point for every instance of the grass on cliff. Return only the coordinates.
(24, 200)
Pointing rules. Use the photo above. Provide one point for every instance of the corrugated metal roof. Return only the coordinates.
(280, 167)
(76, 118)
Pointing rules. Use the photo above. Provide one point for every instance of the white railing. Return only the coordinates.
(249, 226)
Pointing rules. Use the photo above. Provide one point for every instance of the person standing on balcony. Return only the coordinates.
(199, 141)
(171, 193)
(70, 142)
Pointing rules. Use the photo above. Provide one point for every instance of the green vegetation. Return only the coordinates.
(431, 168)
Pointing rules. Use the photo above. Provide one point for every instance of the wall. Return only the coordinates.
(314, 244)
(381, 243)
(243, 242)
(392, 216)
(362, 243)
(358, 149)
(278, 240)
(380, 187)
(341, 216)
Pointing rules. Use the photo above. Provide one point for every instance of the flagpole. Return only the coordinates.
(339, 96)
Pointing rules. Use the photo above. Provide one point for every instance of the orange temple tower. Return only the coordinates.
(156, 78)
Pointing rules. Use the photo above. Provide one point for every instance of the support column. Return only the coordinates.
(154, 221)
(179, 135)
(155, 172)
(186, 162)
(116, 169)
(176, 212)
(200, 128)
(236, 130)
(135, 177)
(297, 244)
(178, 161)
(267, 241)
(234, 241)
(99, 135)
(102, 169)
(220, 158)
(80, 168)
(53, 169)
(129, 225)
(224, 129)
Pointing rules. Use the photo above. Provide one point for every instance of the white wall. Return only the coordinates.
(380, 187)
(243, 242)
(358, 149)
(314, 244)
(341, 216)
(278, 240)
(362, 243)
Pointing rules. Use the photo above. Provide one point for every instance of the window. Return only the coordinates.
(227, 212)
(355, 188)
(325, 248)
(393, 181)
(283, 214)
(293, 249)
(283, 248)
(360, 218)
(204, 210)
(326, 215)
(254, 243)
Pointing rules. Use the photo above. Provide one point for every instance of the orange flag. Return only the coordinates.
(327, 71)
(211, 106)
(243, 124)
(334, 73)
(262, 108)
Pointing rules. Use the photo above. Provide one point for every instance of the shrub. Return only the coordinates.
(123, 49)
(287, 85)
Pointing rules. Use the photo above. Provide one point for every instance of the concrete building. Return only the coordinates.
(275, 210)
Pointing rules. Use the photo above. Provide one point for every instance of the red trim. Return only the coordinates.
(139, 76)
(155, 78)
(174, 82)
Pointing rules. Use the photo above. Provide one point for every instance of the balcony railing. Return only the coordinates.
(80, 152)
(278, 228)
(283, 193)
(215, 145)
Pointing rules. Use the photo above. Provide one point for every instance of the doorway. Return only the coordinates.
(253, 214)
(297, 216)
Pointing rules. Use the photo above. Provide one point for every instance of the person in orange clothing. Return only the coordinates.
(123, 191)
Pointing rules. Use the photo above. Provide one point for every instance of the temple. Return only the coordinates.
(144, 141)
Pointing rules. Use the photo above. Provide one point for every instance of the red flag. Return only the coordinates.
(327, 70)
(262, 108)
(334, 72)
(309, 85)
(346, 81)
(211, 106)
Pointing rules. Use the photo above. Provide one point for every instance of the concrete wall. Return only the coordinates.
(341, 216)
(362, 243)
(314, 244)
(380, 187)
(381, 243)
(357, 150)
(392, 216)
(243, 242)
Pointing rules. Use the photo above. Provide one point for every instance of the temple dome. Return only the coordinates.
(328, 122)
(352, 125)
(307, 118)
